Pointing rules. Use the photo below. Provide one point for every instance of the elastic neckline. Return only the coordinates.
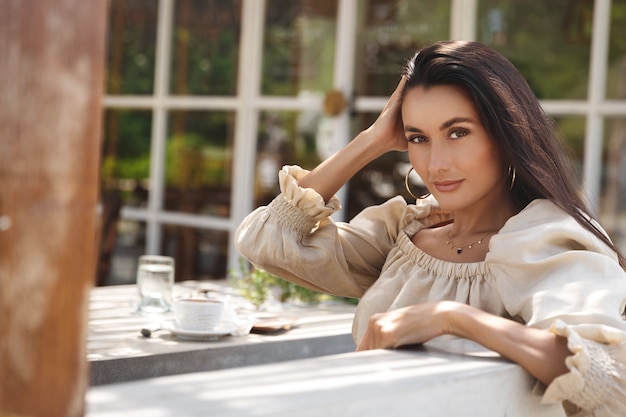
(440, 267)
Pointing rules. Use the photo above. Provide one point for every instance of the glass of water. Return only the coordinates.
(155, 280)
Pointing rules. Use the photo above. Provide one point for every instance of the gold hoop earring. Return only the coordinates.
(512, 175)
(406, 185)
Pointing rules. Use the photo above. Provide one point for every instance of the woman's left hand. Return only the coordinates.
(540, 352)
(408, 325)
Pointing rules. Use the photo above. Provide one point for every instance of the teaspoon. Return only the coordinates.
(145, 332)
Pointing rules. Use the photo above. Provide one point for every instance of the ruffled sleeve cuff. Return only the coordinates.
(300, 208)
(596, 380)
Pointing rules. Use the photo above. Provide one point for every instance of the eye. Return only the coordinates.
(417, 139)
(458, 133)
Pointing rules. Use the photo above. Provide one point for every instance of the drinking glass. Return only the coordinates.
(155, 280)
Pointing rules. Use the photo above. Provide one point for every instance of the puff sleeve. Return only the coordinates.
(554, 274)
(295, 238)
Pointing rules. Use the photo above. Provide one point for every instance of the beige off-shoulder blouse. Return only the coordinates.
(542, 269)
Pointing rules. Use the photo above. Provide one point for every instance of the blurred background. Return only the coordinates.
(206, 99)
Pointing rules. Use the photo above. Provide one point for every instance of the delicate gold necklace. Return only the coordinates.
(459, 249)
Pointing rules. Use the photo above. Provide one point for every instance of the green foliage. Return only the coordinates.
(258, 286)
(192, 163)
(138, 168)
(131, 41)
(548, 41)
(209, 66)
(298, 53)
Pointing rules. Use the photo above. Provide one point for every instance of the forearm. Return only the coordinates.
(540, 352)
(384, 135)
(328, 177)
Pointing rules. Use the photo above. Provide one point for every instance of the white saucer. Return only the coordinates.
(224, 329)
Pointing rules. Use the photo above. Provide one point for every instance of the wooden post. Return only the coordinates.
(51, 77)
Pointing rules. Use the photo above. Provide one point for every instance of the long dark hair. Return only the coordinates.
(528, 139)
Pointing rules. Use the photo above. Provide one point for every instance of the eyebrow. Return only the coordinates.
(444, 125)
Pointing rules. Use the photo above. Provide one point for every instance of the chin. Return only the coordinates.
(448, 203)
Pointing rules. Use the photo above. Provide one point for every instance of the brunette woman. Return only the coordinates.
(503, 252)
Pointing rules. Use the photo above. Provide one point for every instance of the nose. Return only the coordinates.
(439, 157)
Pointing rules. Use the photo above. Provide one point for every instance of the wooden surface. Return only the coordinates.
(51, 77)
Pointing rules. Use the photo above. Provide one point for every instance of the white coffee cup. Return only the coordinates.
(201, 314)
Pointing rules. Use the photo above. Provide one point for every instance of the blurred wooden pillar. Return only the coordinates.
(51, 77)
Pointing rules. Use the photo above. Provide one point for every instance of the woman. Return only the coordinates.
(503, 253)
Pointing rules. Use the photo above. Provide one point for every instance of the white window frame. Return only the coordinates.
(248, 103)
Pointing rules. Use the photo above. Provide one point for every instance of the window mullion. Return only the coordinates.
(248, 90)
(596, 94)
(159, 124)
(463, 19)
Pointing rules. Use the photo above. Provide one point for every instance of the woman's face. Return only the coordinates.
(450, 148)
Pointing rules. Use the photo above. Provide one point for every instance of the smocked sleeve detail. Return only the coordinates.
(307, 200)
(553, 274)
(597, 378)
(289, 217)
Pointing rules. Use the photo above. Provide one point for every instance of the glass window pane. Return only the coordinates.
(200, 254)
(548, 41)
(299, 46)
(130, 244)
(613, 190)
(131, 46)
(205, 47)
(287, 138)
(616, 78)
(573, 129)
(126, 155)
(388, 34)
(198, 167)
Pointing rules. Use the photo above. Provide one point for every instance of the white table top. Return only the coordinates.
(303, 372)
(117, 352)
(420, 382)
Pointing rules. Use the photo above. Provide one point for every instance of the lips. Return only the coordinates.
(447, 186)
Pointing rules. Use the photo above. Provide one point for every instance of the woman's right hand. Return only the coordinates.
(388, 129)
(384, 135)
